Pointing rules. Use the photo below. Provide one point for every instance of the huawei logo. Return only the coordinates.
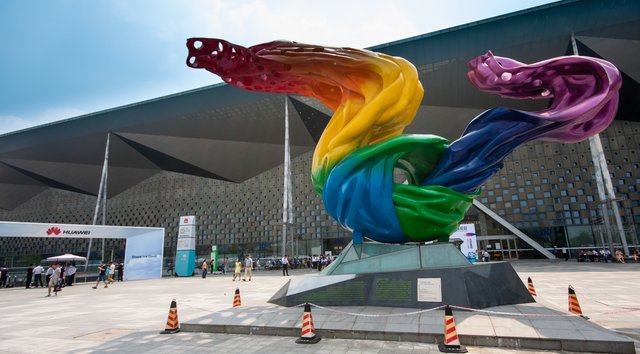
(186, 220)
(54, 230)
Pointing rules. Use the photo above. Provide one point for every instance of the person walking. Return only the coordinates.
(565, 254)
(71, 274)
(4, 275)
(27, 281)
(238, 270)
(53, 280)
(248, 267)
(37, 276)
(48, 274)
(204, 269)
(285, 265)
(102, 275)
(120, 269)
(112, 272)
(225, 266)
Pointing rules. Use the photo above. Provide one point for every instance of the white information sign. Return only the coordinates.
(429, 290)
(469, 245)
(186, 234)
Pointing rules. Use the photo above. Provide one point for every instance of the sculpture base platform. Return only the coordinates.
(475, 286)
(427, 285)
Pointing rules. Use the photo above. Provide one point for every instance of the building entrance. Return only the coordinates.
(500, 247)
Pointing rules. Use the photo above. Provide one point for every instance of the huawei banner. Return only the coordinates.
(186, 247)
(143, 250)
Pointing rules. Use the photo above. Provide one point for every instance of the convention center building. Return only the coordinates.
(216, 153)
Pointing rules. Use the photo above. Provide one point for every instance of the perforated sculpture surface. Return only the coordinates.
(375, 96)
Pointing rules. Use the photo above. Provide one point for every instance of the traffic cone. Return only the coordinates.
(236, 298)
(173, 325)
(451, 340)
(308, 335)
(532, 290)
(574, 305)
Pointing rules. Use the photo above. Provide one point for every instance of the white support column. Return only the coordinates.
(286, 197)
(513, 229)
(101, 191)
(603, 178)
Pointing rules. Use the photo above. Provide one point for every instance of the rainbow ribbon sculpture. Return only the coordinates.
(375, 96)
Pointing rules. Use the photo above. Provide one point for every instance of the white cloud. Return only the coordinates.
(355, 23)
(13, 123)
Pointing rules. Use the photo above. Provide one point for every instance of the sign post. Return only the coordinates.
(214, 258)
(186, 248)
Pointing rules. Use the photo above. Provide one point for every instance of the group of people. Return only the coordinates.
(484, 255)
(208, 267)
(247, 264)
(604, 255)
(57, 276)
(106, 272)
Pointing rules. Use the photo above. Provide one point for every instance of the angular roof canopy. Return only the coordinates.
(225, 133)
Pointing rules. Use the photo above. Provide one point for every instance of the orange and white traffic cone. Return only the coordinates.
(451, 340)
(308, 335)
(574, 305)
(173, 325)
(532, 290)
(236, 298)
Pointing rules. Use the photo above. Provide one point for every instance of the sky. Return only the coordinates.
(64, 58)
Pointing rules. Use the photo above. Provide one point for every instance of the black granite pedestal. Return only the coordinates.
(406, 275)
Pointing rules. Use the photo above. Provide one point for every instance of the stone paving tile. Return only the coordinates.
(143, 306)
(402, 327)
(337, 325)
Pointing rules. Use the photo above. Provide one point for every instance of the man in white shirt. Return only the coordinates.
(248, 267)
(285, 265)
(37, 275)
(71, 274)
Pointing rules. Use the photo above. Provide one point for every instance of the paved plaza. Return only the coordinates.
(127, 317)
